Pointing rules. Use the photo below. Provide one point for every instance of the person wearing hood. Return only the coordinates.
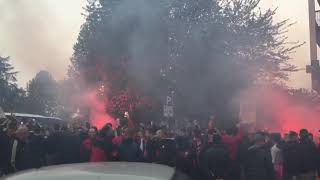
(128, 149)
(258, 163)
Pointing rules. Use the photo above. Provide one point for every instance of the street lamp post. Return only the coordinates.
(314, 68)
(312, 28)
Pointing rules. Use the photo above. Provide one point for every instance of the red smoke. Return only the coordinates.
(282, 114)
(279, 111)
(97, 108)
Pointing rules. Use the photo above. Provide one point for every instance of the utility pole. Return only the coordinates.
(314, 68)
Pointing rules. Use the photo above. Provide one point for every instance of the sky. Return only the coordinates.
(39, 35)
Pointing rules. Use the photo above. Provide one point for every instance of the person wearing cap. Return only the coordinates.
(258, 163)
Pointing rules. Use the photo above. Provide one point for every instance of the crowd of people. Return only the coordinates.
(202, 153)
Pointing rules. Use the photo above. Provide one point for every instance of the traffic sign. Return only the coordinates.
(169, 100)
(2, 115)
(167, 111)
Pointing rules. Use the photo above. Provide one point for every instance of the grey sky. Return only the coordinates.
(39, 34)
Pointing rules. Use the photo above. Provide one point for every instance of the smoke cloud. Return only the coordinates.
(95, 106)
(278, 111)
(138, 28)
(141, 30)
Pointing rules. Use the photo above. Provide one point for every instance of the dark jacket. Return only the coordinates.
(21, 155)
(36, 151)
(86, 150)
(214, 161)
(53, 146)
(258, 164)
(183, 143)
(70, 148)
(184, 161)
(128, 150)
(291, 157)
(151, 150)
(307, 155)
(4, 151)
(166, 152)
(109, 147)
(143, 146)
(244, 145)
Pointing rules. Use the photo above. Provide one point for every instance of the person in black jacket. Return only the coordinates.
(308, 156)
(36, 149)
(151, 147)
(291, 155)
(70, 147)
(106, 136)
(6, 136)
(258, 163)
(53, 146)
(128, 149)
(214, 159)
(242, 154)
(166, 149)
(183, 159)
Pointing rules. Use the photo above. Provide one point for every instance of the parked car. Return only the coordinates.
(101, 171)
(43, 120)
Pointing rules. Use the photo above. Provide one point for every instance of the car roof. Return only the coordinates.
(98, 171)
(24, 115)
(30, 116)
